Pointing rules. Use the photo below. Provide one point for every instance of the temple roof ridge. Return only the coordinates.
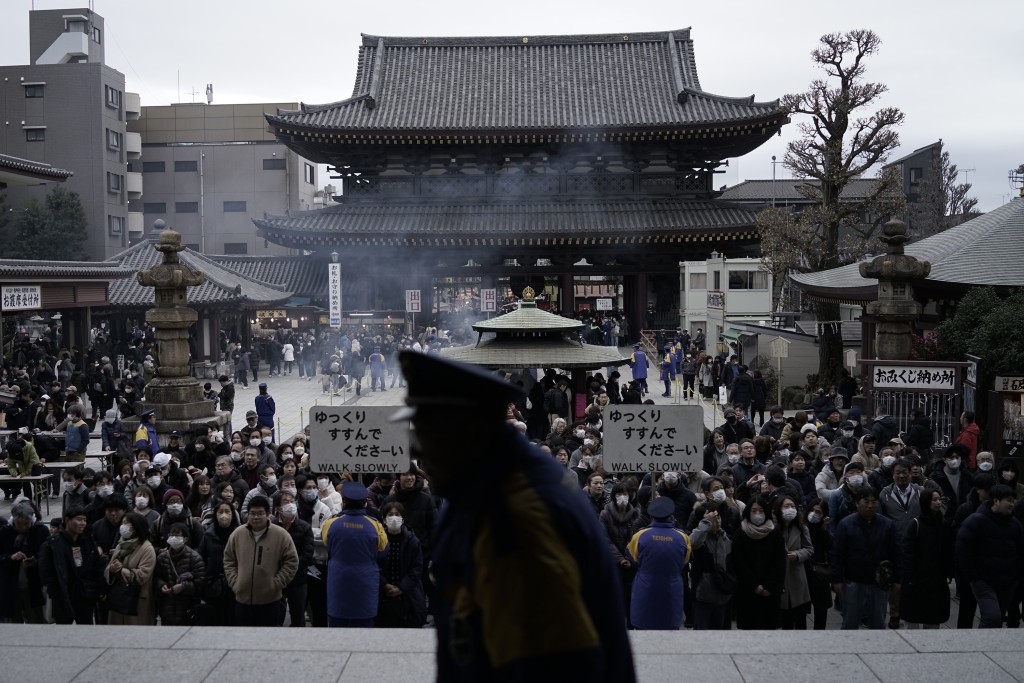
(370, 40)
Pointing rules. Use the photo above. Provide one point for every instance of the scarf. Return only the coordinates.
(756, 533)
(125, 547)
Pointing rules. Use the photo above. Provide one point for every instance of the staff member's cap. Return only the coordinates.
(661, 508)
(263, 385)
(147, 414)
(353, 490)
(436, 382)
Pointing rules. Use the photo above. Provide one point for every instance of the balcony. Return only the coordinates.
(132, 106)
(136, 224)
(133, 145)
(134, 185)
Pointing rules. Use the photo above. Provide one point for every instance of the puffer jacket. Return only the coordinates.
(619, 527)
(989, 548)
(183, 567)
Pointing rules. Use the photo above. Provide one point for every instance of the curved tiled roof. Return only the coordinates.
(985, 251)
(62, 269)
(531, 83)
(527, 318)
(508, 354)
(303, 275)
(789, 190)
(222, 285)
(640, 220)
(35, 169)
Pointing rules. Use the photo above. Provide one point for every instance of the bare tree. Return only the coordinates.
(942, 202)
(841, 142)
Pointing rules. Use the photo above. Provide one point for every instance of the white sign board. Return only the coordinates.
(412, 301)
(334, 290)
(643, 438)
(604, 304)
(23, 298)
(1009, 383)
(488, 301)
(779, 348)
(357, 440)
(910, 377)
(851, 358)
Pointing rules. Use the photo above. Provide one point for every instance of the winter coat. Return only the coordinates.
(138, 568)
(760, 389)
(889, 505)
(258, 570)
(265, 410)
(826, 483)
(30, 543)
(885, 430)
(758, 562)
(990, 548)
(920, 435)
(638, 364)
(64, 582)
(302, 536)
(660, 553)
(797, 540)
(184, 567)
(419, 512)
(970, 437)
(956, 496)
(211, 550)
(927, 561)
(859, 546)
(710, 551)
(355, 544)
(619, 528)
(683, 498)
(743, 389)
(410, 575)
(21, 457)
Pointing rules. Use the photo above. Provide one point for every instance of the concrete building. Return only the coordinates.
(68, 109)
(211, 169)
(720, 291)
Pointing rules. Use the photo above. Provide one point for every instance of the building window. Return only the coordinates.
(309, 174)
(33, 91)
(718, 280)
(75, 25)
(114, 182)
(153, 167)
(194, 247)
(698, 280)
(915, 174)
(35, 134)
(273, 164)
(116, 224)
(154, 207)
(234, 207)
(186, 207)
(236, 248)
(113, 139)
(748, 279)
(96, 35)
(113, 97)
(185, 166)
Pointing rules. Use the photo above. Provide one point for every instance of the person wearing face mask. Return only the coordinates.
(830, 431)
(175, 512)
(174, 475)
(401, 602)
(180, 578)
(311, 508)
(714, 452)
(734, 429)
(251, 425)
(759, 556)
(21, 590)
(881, 476)
(986, 461)
(827, 481)
(155, 482)
(267, 487)
(302, 536)
(74, 491)
(144, 504)
(803, 478)
(773, 427)
(713, 574)
(1009, 475)
(673, 485)
(841, 502)
(132, 562)
(268, 449)
(729, 517)
(113, 436)
(218, 608)
(105, 531)
(796, 594)
(818, 570)
(954, 481)
(620, 519)
(927, 561)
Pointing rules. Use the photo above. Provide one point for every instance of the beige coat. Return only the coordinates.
(138, 568)
(258, 571)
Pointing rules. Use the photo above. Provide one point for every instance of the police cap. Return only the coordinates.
(353, 490)
(661, 508)
(436, 382)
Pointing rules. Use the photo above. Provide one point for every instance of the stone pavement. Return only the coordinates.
(82, 654)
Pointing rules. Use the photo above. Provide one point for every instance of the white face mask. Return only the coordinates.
(789, 514)
(671, 478)
(323, 484)
(757, 518)
(200, 447)
(69, 486)
(847, 433)
(105, 490)
(271, 480)
(855, 480)
(1007, 475)
(985, 465)
(267, 439)
(888, 461)
(154, 482)
(778, 420)
(175, 542)
(622, 501)
(579, 433)
(394, 523)
(224, 520)
(733, 458)
(298, 450)
(309, 495)
(588, 442)
(175, 508)
(142, 502)
(718, 496)
(292, 490)
(109, 420)
(289, 510)
(287, 455)
(125, 530)
(814, 517)
(254, 442)
(953, 464)
(236, 456)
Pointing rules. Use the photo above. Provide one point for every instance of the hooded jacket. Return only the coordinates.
(885, 430)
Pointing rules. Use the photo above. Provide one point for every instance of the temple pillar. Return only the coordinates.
(567, 294)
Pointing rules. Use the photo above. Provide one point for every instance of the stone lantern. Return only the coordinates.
(896, 309)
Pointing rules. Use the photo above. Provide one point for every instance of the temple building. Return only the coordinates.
(555, 162)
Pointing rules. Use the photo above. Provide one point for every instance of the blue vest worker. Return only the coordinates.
(660, 552)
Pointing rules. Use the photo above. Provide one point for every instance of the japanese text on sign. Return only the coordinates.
(357, 440)
(906, 377)
(412, 301)
(1009, 383)
(488, 300)
(334, 288)
(25, 298)
(716, 299)
(653, 438)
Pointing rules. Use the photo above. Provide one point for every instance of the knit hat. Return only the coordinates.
(171, 493)
(854, 414)
(808, 428)
(853, 465)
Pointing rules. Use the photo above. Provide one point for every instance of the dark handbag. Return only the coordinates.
(123, 598)
(395, 612)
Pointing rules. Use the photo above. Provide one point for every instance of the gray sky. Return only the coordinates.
(953, 67)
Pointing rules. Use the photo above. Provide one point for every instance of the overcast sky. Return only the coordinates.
(955, 68)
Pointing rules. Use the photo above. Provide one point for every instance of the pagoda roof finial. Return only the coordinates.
(529, 294)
